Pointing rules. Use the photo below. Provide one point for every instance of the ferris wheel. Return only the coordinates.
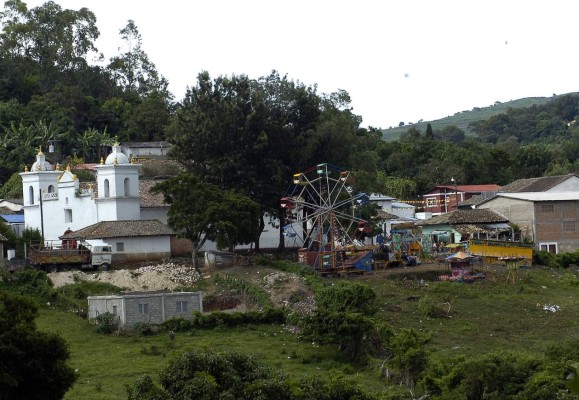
(322, 214)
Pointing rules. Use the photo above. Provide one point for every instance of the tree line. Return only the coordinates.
(240, 134)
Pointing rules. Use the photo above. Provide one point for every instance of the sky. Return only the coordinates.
(400, 61)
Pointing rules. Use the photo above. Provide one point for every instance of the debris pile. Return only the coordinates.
(178, 273)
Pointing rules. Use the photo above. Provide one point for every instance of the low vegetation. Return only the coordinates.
(423, 336)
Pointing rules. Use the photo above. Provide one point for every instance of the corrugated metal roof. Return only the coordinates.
(540, 184)
(13, 218)
(542, 196)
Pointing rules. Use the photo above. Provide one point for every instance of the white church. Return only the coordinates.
(54, 203)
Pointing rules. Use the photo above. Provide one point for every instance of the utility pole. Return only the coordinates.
(455, 191)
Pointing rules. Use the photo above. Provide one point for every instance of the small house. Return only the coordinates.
(131, 240)
(461, 225)
(131, 308)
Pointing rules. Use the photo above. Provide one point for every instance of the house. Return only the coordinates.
(444, 198)
(461, 225)
(15, 221)
(131, 240)
(146, 150)
(549, 219)
(557, 183)
(146, 307)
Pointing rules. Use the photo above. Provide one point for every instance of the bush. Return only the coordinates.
(106, 323)
(144, 329)
(225, 320)
(428, 308)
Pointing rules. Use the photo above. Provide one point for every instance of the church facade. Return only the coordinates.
(55, 203)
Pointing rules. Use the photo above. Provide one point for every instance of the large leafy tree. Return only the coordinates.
(235, 133)
(56, 39)
(253, 135)
(201, 211)
(33, 364)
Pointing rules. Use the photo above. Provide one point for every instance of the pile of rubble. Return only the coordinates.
(181, 274)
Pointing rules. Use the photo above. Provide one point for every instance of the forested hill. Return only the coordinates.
(463, 119)
(245, 133)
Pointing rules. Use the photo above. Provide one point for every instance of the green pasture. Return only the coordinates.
(477, 318)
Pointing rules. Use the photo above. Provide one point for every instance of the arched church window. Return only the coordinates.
(50, 188)
(107, 190)
(31, 194)
(127, 188)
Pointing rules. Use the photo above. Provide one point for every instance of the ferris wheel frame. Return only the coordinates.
(321, 211)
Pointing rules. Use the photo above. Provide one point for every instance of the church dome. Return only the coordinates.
(41, 164)
(117, 157)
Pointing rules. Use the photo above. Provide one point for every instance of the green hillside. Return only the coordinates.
(462, 119)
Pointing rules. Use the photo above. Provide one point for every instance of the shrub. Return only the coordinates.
(106, 323)
(428, 308)
(144, 329)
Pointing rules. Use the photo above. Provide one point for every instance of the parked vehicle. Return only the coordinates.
(55, 257)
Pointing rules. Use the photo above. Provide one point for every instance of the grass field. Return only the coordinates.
(484, 316)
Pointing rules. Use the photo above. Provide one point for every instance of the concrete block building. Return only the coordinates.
(146, 307)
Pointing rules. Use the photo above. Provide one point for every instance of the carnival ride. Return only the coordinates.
(321, 214)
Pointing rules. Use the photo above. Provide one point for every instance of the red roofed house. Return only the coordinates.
(444, 198)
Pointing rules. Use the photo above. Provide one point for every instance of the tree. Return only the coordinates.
(57, 40)
(133, 70)
(33, 365)
(209, 375)
(247, 135)
(342, 317)
(201, 211)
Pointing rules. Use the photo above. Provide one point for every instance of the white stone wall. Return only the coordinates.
(142, 248)
(159, 213)
(520, 212)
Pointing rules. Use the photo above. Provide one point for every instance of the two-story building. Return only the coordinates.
(445, 198)
(549, 219)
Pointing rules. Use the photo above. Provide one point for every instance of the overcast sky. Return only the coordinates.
(400, 60)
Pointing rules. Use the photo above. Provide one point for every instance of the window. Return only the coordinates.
(120, 247)
(550, 247)
(31, 194)
(568, 226)
(50, 189)
(143, 308)
(431, 202)
(67, 215)
(114, 310)
(127, 187)
(181, 306)
(548, 208)
(107, 189)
